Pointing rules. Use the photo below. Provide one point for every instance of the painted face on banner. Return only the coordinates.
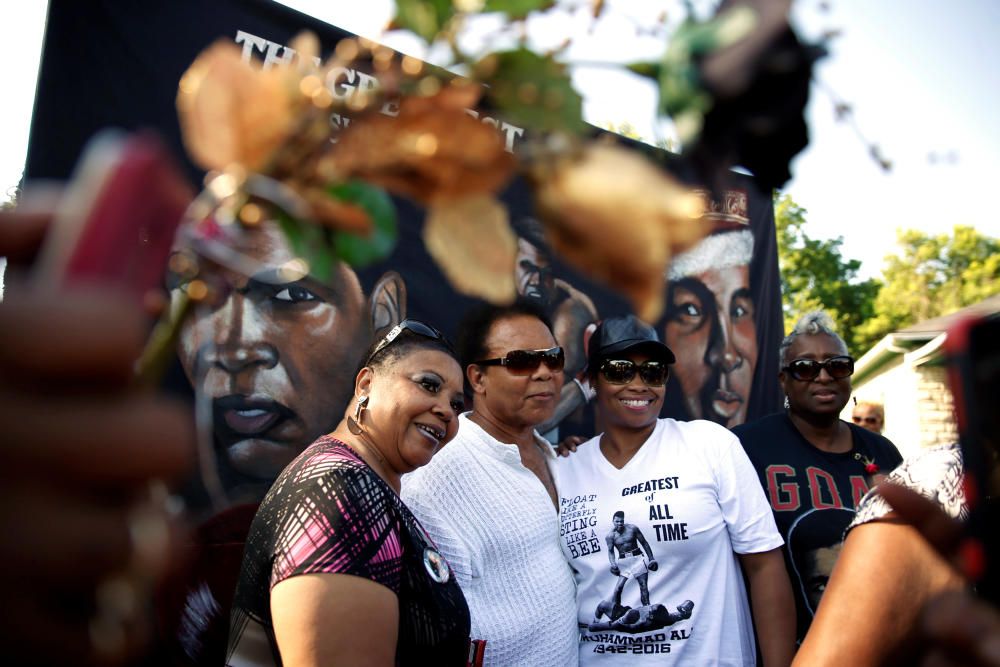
(532, 273)
(275, 356)
(712, 330)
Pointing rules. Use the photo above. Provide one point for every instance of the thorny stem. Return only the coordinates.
(844, 113)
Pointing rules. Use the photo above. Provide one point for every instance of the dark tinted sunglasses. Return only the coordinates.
(524, 362)
(809, 369)
(413, 326)
(622, 371)
(865, 420)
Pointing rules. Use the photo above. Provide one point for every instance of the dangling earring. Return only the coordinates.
(786, 403)
(354, 423)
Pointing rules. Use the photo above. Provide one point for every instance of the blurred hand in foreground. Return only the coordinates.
(960, 629)
(83, 512)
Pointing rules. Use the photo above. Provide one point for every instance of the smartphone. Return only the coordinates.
(116, 222)
(973, 350)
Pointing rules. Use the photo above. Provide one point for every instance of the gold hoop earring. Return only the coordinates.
(354, 423)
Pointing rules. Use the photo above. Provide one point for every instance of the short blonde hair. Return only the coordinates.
(877, 407)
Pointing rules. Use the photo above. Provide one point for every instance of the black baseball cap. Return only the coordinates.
(628, 333)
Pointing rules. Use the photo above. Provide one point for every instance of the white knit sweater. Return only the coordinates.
(494, 521)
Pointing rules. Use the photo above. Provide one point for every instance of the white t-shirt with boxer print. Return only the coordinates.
(690, 497)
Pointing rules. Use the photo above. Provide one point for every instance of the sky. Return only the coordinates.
(916, 73)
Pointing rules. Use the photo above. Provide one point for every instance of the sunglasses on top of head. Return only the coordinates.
(413, 326)
(525, 362)
(809, 369)
(623, 371)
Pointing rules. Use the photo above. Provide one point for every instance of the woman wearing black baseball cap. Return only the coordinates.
(676, 507)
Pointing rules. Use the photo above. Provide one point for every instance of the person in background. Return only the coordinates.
(690, 490)
(808, 460)
(488, 499)
(869, 415)
(337, 570)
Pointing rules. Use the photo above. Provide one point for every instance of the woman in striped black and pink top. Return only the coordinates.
(336, 569)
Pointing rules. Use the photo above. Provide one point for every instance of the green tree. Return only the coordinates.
(627, 129)
(934, 275)
(815, 274)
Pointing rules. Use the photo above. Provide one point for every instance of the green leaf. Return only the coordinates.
(682, 95)
(681, 91)
(312, 243)
(424, 17)
(532, 90)
(358, 250)
(517, 9)
(648, 70)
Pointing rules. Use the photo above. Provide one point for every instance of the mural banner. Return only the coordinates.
(276, 360)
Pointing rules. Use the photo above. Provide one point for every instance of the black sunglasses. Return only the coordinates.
(413, 326)
(524, 362)
(865, 420)
(809, 369)
(622, 371)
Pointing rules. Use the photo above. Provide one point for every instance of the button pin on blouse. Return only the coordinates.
(436, 566)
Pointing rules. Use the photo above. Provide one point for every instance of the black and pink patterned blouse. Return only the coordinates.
(328, 512)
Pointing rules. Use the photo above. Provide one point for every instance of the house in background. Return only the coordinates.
(905, 372)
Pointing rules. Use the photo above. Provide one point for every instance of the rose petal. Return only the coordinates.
(471, 240)
(230, 111)
(306, 45)
(614, 215)
(206, 96)
(425, 153)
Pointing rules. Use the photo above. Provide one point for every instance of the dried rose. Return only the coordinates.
(471, 240)
(617, 217)
(432, 150)
(231, 112)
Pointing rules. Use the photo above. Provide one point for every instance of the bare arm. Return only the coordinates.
(611, 553)
(883, 578)
(772, 605)
(963, 631)
(960, 629)
(335, 619)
